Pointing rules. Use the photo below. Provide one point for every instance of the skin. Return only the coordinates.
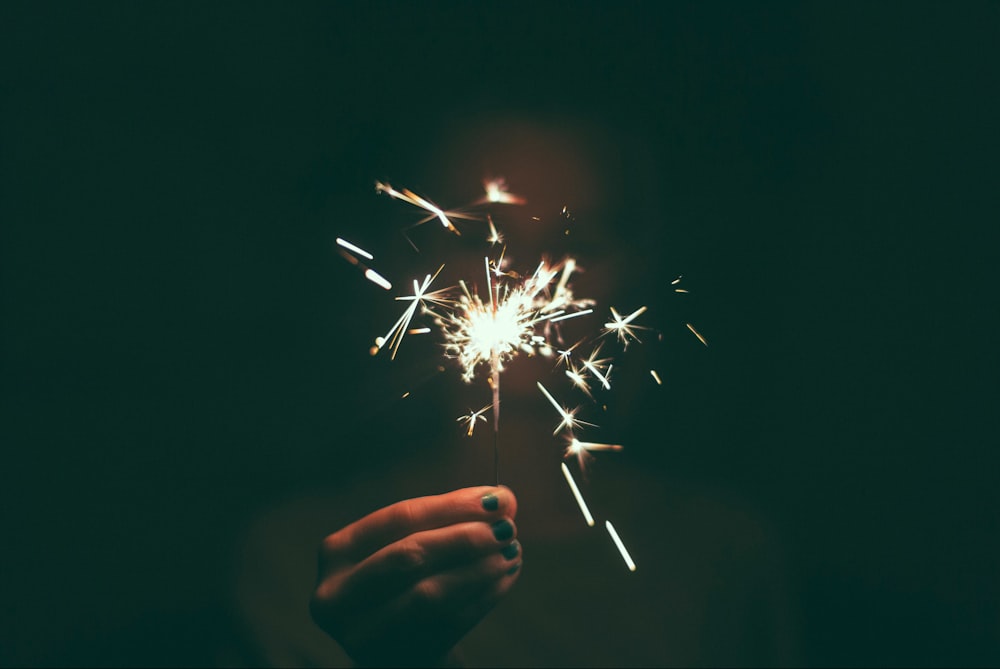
(404, 584)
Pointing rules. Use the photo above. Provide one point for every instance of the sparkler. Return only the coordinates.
(513, 314)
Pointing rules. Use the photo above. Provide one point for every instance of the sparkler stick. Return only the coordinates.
(495, 377)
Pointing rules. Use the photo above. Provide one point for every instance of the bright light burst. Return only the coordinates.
(484, 326)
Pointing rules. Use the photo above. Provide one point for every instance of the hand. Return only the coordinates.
(405, 583)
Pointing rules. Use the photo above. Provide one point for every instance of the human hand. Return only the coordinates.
(404, 584)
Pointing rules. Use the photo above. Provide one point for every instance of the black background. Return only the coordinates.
(174, 318)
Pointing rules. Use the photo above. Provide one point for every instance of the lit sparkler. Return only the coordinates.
(485, 328)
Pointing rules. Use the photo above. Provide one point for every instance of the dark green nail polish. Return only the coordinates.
(513, 570)
(491, 502)
(503, 530)
(511, 550)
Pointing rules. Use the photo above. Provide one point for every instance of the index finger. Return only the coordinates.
(391, 523)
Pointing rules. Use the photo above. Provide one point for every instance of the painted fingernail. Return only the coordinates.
(503, 530)
(491, 502)
(513, 570)
(511, 550)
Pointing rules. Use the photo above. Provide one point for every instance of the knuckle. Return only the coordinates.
(409, 556)
(428, 592)
(405, 514)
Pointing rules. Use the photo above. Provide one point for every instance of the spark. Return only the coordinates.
(623, 326)
(696, 334)
(485, 325)
(354, 249)
(620, 545)
(583, 450)
(569, 419)
(492, 329)
(377, 279)
(578, 379)
(433, 210)
(420, 297)
(495, 237)
(496, 191)
(576, 493)
(593, 364)
(370, 274)
(572, 315)
(564, 355)
(471, 418)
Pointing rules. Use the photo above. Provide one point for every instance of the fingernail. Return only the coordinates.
(511, 550)
(503, 530)
(513, 570)
(491, 502)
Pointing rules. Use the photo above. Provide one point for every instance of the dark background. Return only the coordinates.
(175, 322)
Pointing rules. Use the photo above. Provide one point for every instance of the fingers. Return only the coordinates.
(390, 524)
(407, 562)
(431, 615)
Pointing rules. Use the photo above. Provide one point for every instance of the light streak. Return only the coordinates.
(573, 315)
(576, 494)
(621, 546)
(656, 377)
(370, 274)
(582, 450)
(377, 279)
(696, 334)
(428, 206)
(355, 249)
(495, 237)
